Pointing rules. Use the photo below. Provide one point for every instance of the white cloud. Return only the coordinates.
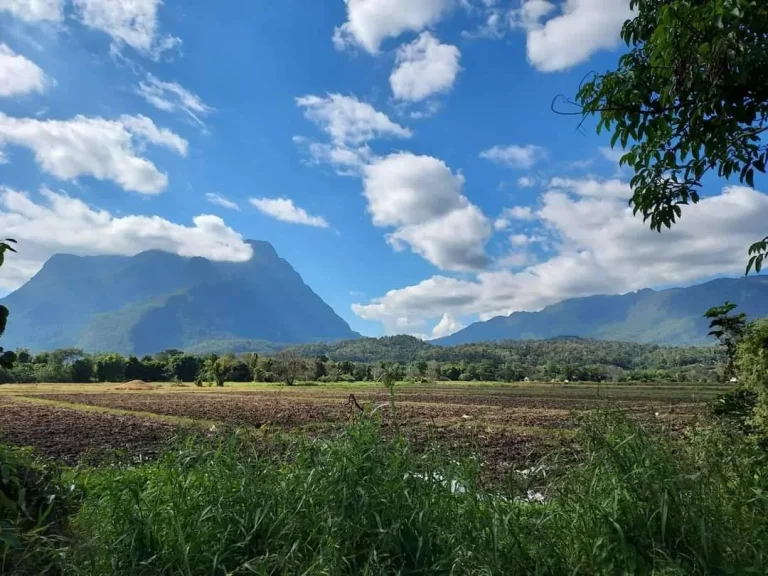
(369, 22)
(34, 10)
(515, 156)
(423, 200)
(103, 149)
(346, 160)
(582, 28)
(519, 240)
(592, 187)
(132, 22)
(222, 201)
(525, 182)
(60, 223)
(19, 75)
(423, 68)
(602, 248)
(501, 223)
(349, 121)
(448, 325)
(172, 97)
(142, 128)
(285, 210)
(507, 215)
(520, 213)
(350, 124)
(531, 13)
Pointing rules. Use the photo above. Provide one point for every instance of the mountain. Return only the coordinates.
(157, 300)
(673, 316)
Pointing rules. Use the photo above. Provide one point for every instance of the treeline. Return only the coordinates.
(564, 358)
(360, 360)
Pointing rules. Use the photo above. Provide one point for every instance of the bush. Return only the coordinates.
(736, 406)
(752, 365)
(34, 509)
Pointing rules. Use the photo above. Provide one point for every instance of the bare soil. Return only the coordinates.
(506, 427)
(70, 435)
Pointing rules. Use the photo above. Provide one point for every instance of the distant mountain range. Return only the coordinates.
(673, 316)
(157, 300)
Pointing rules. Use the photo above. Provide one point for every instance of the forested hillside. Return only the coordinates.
(157, 300)
(673, 316)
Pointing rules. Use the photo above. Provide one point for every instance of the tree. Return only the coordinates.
(252, 360)
(238, 371)
(109, 368)
(184, 367)
(23, 356)
(752, 364)
(690, 97)
(319, 367)
(82, 370)
(289, 366)
(728, 329)
(214, 370)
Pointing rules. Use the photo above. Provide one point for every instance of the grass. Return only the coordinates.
(366, 502)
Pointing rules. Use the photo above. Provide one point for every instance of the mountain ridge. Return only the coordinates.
(673, 316)
(156, 300)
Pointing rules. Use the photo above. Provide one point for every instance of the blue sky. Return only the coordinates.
(402, 155)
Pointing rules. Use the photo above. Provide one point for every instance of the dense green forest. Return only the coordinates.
(359, 360)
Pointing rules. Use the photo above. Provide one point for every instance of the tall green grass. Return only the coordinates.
(367, 502)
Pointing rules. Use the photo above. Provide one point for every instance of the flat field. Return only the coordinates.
(504, 423)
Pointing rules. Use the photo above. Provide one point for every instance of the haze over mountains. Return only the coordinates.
(157, 300)
(673, 316)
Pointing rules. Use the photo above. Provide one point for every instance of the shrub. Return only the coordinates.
(34, 508)
(752, 365)
(736, 406)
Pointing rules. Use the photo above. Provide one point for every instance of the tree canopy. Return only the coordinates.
(689, 97)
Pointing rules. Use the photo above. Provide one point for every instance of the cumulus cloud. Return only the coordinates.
(103, 149)
(172, 97)
(515, 156)
(601, 248)
(593, 187)
(582, 28)
(285, 210)
(18, 75)
(422, 199)
(448, 325)
(423, 68)
(349, 124)
(133, 23)
(370, 22)
(59, 223)
(508, 215)
(34, 10)
(222, 201)
(347, 120)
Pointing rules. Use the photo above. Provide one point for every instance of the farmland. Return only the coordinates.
(463, 478)
(504, 422)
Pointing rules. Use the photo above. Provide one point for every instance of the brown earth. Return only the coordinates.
(69, 435)
(506, 428)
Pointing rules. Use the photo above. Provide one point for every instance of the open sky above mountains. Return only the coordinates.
(402, 155)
